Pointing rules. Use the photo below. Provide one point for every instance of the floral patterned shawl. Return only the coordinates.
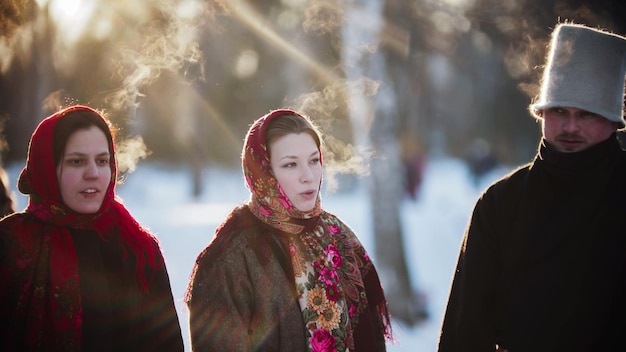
(329, 263)
(41, 246)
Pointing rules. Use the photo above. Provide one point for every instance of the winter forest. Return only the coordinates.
(397, 86)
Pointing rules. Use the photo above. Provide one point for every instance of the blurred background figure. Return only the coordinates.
(480, 159)
(414, 162)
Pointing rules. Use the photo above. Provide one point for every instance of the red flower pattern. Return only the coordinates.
(323, 341)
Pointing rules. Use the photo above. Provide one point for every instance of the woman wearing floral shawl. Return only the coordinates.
(282, 274)
(77, 272)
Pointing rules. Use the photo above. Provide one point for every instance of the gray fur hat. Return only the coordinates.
(586, 70)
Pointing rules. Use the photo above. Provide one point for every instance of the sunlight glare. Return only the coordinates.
(64, 9)
(247, 64)
(71, 18)
(253, 21)
(188, 9)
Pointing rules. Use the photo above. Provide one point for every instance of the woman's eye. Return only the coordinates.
(103, 161)
(74, 162)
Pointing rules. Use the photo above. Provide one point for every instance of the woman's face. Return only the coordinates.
(84, 171)
(295, 161)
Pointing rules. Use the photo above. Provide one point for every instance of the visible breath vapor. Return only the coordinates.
(340, 157)
(343, 158)
(128, 153)
(168, 43)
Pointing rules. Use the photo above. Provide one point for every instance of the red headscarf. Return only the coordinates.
(268, 201)
(44, 244)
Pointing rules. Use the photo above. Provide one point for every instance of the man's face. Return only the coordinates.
(572, 130)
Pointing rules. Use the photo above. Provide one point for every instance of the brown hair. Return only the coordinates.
(290, 123)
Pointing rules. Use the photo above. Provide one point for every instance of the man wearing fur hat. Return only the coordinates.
(543, 261)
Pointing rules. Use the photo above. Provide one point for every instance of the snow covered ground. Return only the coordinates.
(160, 197)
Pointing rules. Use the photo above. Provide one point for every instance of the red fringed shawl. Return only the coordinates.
(43, 251)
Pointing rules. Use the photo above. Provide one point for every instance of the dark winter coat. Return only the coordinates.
(116, 314)
(543, 262)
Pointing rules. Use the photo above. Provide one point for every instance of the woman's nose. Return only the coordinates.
(307, 175)
(92, 170)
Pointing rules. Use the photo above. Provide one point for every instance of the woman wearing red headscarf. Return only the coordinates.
(77, 272)
(282, 274)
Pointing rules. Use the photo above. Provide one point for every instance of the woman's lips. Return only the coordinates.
(90, 192)
(308, 195)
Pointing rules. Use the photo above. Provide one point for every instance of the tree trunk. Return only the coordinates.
(386, 192)
(386, 184)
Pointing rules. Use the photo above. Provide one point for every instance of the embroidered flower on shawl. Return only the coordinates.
(332, 291)
(336, 265)
(317, 301)
(45, 210)
(323, 341)
(334, 257)
(353, 311)
(327, 275)
(330, 317)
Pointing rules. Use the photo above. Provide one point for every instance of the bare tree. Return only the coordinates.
(375, 126)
